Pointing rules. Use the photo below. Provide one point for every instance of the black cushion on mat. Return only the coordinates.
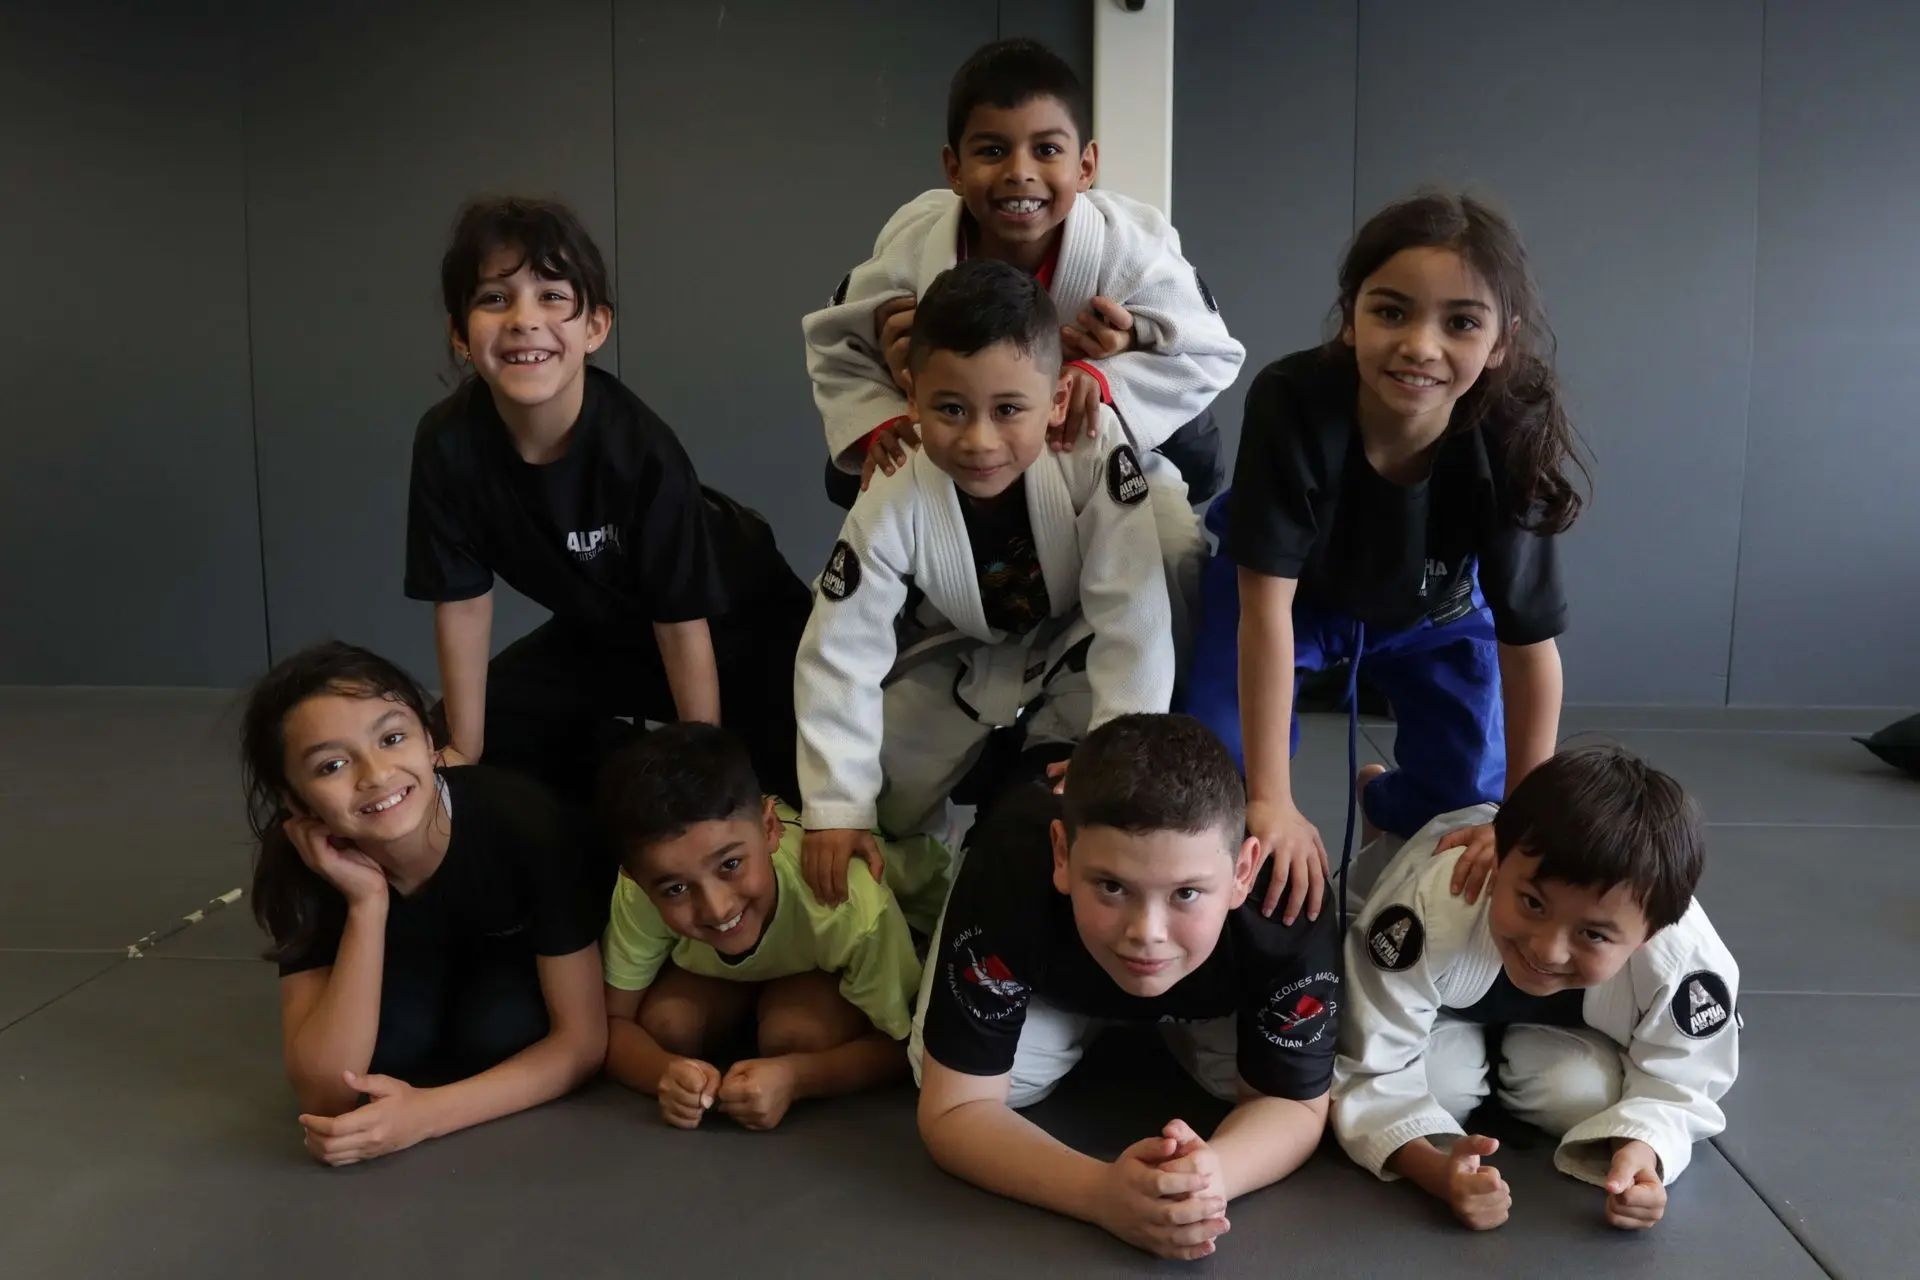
(1898, 744)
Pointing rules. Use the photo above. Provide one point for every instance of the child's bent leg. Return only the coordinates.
(806, 1013)
(1209, 1051)
(1183, 552)
(546, 709)
(1449, 745)
(691, 1015)
(928, 744)
(756, 662)
(1456, 1060)
(1556, 1077)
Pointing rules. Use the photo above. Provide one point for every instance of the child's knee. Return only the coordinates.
(798, 1031)
(677, 1025)
(1554, 1079)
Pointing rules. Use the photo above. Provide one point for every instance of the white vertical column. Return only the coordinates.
(1133, 99)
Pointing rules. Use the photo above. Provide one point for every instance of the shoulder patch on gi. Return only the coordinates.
(1125, 484)
(981, 981)
(840, 294)
(1301, 1012)
(1395, 939)
(1702, 1005)
(1206, 294)
(841, 577)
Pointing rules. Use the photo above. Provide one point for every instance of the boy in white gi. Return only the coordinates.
(987, 582)
(1135, 898)
(1613, 995)
(1148, 335)
(714, 942)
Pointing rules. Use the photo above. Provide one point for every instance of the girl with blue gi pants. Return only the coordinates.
(1395, 501)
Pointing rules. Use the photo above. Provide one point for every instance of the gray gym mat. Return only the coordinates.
(1766, 891)
(1822, 1123)
(30, 979)
(1748, 776)
(149, 1132)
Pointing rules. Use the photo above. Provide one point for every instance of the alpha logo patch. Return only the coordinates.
(1206, 294)
(841, 577)
(1395, 939)
(1125, 484)
(1702, 1005)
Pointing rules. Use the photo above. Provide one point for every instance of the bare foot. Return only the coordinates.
(1368, 772)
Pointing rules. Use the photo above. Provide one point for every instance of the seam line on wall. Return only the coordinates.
(253, 393)
(1753, 324)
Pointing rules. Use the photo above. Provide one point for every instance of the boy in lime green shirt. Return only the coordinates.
(713, 923)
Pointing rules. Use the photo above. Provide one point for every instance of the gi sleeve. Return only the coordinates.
(1682, 1059)
(845, 654)
(1183, 356)
(1123, 589)
(637, 942)
(852, 387)
(1381, 1100)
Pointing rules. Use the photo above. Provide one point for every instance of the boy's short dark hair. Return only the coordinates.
(1007, 73)
(1143, 773)
(983, 301)
(545, 232)
(673, 779)
(1601, 816)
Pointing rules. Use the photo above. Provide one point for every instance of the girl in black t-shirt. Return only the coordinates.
(412, 951)
(1395, 502)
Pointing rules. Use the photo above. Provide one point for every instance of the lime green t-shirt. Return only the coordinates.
(864, 940)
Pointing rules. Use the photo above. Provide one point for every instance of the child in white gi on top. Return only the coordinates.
(986, 582)
(1614, 995)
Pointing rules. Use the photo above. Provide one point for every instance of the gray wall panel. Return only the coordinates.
(128, 547)
(1624, 137)
(1829, 603)
(761, 147)
(367, 126)
(1263, 168)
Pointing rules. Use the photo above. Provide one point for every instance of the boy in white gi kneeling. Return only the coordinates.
(987, 582)
(1613, 996)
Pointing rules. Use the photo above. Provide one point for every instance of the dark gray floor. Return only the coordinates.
(147, 1131)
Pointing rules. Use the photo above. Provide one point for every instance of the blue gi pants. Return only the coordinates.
(1443, 683)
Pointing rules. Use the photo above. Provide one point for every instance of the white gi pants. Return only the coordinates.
(1552, 1077)
(1052, 1042)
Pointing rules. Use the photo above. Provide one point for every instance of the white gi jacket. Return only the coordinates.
(1111, 246)
(1670, 1009)
(1094, 534)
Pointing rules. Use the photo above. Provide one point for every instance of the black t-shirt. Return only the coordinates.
(1013, 591)
(615, 531)
(1009, 935)
(519, 867)
(1505, 1004)
(1308, 505)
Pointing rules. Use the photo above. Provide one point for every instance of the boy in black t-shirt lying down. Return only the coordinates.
(1126, 901)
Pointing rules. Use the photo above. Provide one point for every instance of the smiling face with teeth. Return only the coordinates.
(1424, 327)
(362, 765)
(529, 339)
(1554, 936)
(714, 882)
(1018, 170)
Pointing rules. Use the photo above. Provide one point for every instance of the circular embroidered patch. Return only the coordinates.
(1702, 1005)
(1395, 939)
